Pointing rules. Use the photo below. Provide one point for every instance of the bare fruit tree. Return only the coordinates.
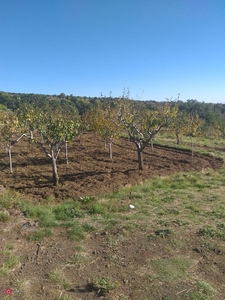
(142, 125)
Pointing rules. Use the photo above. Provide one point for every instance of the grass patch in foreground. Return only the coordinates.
(170, 269)
(58, 277)
(79, 259)
(39, 234)
(217, 231)
(10, 260)
(103, 286)
(4, 217)
(76, 232)
(10, 199)
(203, 291)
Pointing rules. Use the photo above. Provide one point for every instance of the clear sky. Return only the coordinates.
(156, 48)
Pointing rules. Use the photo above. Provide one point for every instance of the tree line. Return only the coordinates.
(52, 123)
(209, 112)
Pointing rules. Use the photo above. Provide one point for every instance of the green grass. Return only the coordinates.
(217, 231)
(170, 269)
(203, 291)
(10, 260)
(181, 196)
(65, 297)
(10, 199)
(4, 217)
(79, 259)
(58, 277)
(103, 286)
(39, 234)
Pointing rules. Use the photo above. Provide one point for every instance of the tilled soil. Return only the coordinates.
(90, 171)
(121, 255)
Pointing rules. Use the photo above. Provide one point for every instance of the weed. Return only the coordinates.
(172, 211)
(159, 233)
(163, 233)
(86, 199)
(68, 210)
(207, 230)
(193, 208)
(50, 199)
(180, 222)
(168, 199)
(65, 297)
(122, 297)
(76, 232)
(163, 222)
(170, 269)
(204, 292)
(111, 241)
(10, 260)
(179, 185)
(4, 217)
(97, 208)
(211, 231)
(146, 189)
(39, 234)
(10, 199)
(43, 214)
(9, 247)
(88, 227)
(79, 248)
(3, 271)
(58, 277)
(103, 286)
(205, 288)
(78, 259)
(220, 226)
(22, 289)
(217, 213)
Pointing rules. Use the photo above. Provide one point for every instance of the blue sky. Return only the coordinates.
(155, 48)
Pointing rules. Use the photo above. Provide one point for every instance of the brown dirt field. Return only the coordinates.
(120, 255)
(90, 171)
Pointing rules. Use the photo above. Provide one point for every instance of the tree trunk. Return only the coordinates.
(66, 153)
(10, 159)
(54, 169)
(140, 156)
(152, 147)
(192, 147)
(110, 150)
(178, 139)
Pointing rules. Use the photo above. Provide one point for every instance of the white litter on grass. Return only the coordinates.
(131, 206)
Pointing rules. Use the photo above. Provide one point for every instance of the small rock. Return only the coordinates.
(26, 225)
(197, 250)
(218, 251)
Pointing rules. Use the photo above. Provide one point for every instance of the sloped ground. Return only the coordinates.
(90, 171)
(120, 254)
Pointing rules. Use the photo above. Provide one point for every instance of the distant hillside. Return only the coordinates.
(207, 111)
